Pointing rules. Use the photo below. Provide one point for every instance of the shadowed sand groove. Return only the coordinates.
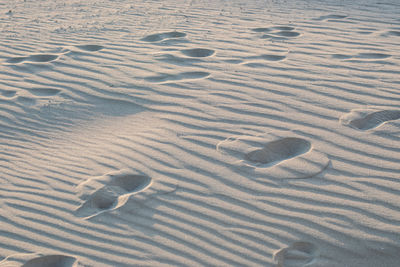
(366, 119)
(52, 261)
(277, 151)
(109, 192)
(297, 254)
(198, 52)
(275, 154)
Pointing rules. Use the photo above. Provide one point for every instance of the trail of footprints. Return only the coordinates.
(191, 53)
(46, 58)
(270, 152)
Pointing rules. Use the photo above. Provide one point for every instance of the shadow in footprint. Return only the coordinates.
(40, 58)
(44, 91)
(297, 254)
(9, 93)
(157, 37)
(26, 101)
(273, 57)
(366, 119)
(198, 52)
(90, 48)
(332, 16)
(109, 192)
(51, 261)
(393, 33)
(191, 75)
(373, 56)
(277, 32)
(277, 151)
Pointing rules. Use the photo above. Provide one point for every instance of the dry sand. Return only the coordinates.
(199, 133)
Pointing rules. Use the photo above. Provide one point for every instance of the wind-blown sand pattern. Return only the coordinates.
(199, 133)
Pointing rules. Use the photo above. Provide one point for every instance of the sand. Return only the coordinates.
(199, 133)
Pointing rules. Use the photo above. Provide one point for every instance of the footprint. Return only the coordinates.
(90, 48)
(277, 155)
(394, 33)
(9, 93)
(341, 56)
(26, 101)
(277, 32)
(52, 261)
(40, 58)
(161, 36)
(44, 91)
(276, 151)
(372, 56)
(287, 34)
(198, 52)
(273, 57)
(366, 119)
(261, 29)
(297, 254)
(283, 28)
(332, 16)
(178, 77)
(109, 192)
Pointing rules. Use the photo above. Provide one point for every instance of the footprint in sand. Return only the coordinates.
(157, 37)
(297, 254)
(8, 93)
(191, 75)
(109, 192)
(39, 58)
(277, 155)
(393, 33)
(198, 52)
(362, 56)
(277, 32)
(52, 261)
(271, 57)
(90, 48)
(26, 101)
(332, 17)
(44, 91)
(366, 119)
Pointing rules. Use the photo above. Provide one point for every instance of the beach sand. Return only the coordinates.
(199, 133)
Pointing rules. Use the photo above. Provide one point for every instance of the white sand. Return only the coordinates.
(199, 133)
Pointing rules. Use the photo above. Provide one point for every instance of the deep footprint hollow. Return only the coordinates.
(279, 150)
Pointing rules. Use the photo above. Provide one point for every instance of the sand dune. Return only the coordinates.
(199, 133)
